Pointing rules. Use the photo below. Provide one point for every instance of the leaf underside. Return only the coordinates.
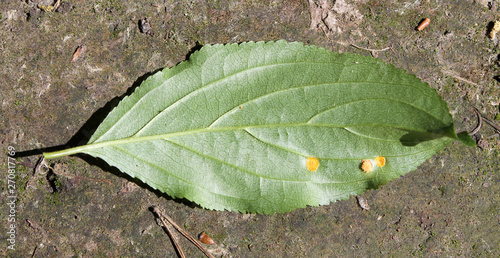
(233, 127)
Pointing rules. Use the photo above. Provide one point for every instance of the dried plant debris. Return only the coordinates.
(167, 222)
(145, 27)
(49, 5)
(334, 17)
(206, 239)
(77, 53)
(363, 203)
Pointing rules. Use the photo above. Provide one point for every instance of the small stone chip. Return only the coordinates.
(494, 30)
(363, 203)
(145, 27)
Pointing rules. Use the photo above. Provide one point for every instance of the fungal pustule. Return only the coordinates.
(380, 161)
(312, 164)
(367, 165)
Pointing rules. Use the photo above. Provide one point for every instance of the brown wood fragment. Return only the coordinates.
(425, 22)
(77, 53)
(204, 238)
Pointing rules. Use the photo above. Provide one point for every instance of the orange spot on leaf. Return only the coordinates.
(366, 165)
(380, 161)
(312, 164)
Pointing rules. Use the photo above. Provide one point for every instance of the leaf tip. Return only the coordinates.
(466, 139)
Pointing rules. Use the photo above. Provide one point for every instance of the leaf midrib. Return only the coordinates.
(133, 139)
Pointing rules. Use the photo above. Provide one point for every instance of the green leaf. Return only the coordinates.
(240, 127)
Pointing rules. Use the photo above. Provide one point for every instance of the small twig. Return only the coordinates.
(369, 49)
(57, 4)
(460, 78)
(495, 126)
(183, 232)
(170, 231)
(34, 251)
(373, 51)
(34, 225)
(479, 122)
(77, 53)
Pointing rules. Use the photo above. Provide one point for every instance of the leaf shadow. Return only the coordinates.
(115, 171)
(194, 49)
(90, 126)
(83, 135)
(412, 138)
